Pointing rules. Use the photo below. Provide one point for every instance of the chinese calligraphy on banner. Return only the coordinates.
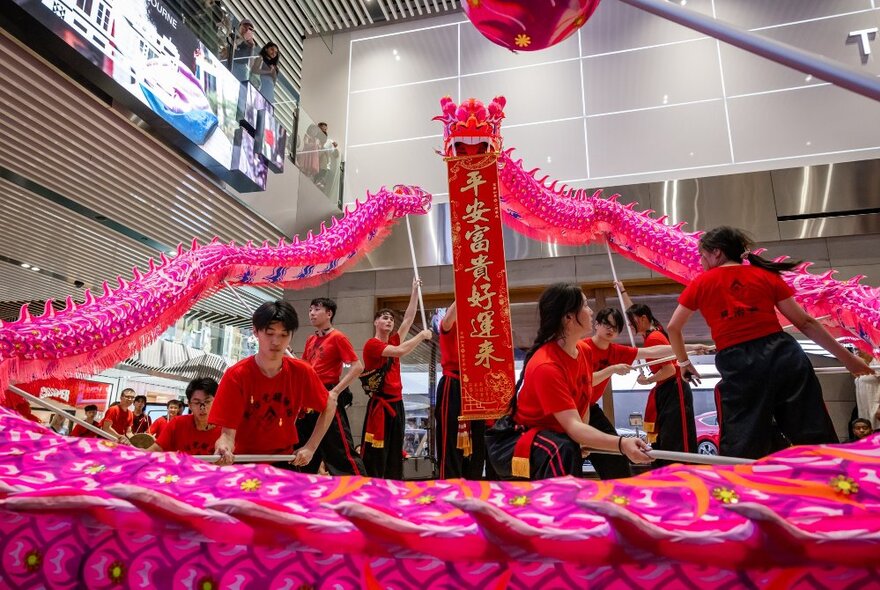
(485, 343)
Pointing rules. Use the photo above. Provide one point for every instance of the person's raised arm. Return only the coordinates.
(674, 328)
(410, 314)
(449, 318)
(632, 447)
(407, 346)
(625, 300)
(811, 328)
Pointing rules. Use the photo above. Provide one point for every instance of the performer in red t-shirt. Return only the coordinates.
(16, 403)
(141, 421)
(91, 411)
(192, 434)
(543, 435)
(765, 373)
(172, 410)
(328, 350)
(461, 445)
(382, 446)
(669, 415)
(119, 418)
(610, 358)
(260, 397)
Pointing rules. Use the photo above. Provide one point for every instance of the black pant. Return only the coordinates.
(553, 454)
(336, 449)
(385, 461)
(607, 466)
(450, 459)
(765, 379)
(676, 427)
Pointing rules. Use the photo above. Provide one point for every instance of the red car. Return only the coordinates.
(707, 433)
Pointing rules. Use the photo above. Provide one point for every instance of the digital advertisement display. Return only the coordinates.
(150, 53)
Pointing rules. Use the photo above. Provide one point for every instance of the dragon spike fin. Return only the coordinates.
(662, 219)
(533, 171)
(698, 234)
(122, 282)
(249, 245)
(215, 240)
(281, 242)
(543, 181)
(69, 304)
(828, 274)
(759, 251)
(855, 280)
(630, 206)
(266, 244)
(107, 290)
(231, 244)
(295, 240)
(552, 185)
(679, 225)
(803, 266)
(782, 258)
(615, 197)
(164, 259)
(322, 229)
(647, 212)
(88, 298)
(24, 315)
(194, 245)
(152, 265)
(48, 310)
(180, 248)
(310, 236)
(136, 273)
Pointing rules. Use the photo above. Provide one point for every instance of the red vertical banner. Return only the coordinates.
(485, 342)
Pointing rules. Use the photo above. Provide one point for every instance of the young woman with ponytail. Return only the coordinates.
(765, 374)
(669, 413)
(547, 425)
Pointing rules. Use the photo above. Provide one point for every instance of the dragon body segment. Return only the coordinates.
(100, 332)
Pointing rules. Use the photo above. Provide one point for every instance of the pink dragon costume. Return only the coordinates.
(80, 513)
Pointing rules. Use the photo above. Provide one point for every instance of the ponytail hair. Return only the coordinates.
(555, 303)
(640, 309)
(736, 245)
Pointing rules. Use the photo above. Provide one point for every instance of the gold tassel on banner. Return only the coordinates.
(464, 438)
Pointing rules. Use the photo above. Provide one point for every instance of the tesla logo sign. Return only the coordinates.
(864, 36)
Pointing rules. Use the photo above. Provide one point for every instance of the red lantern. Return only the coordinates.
(528, 25)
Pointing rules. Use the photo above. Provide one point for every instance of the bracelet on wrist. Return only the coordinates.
(684, 363)
(620, 444)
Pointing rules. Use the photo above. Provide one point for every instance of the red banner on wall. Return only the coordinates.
(485, 343)
(72, 392)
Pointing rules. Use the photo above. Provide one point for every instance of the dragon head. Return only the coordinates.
(471, 127)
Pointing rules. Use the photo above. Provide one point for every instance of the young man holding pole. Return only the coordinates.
(119, 419)
(382, 445)
(260, 397)
(328, 350)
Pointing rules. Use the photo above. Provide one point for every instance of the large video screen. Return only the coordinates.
(149, 52)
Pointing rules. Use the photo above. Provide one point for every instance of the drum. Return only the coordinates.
(142, 440)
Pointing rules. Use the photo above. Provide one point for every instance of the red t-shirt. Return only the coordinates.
(657, 338)
(157, 426)
(120, 419)
(738, 302)
(140, 424)
(373, 359)
(182, 435)
(263, 410)
(554, 382)
(602, 359)
(449, 351)
(82, 431)
(327, 354)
